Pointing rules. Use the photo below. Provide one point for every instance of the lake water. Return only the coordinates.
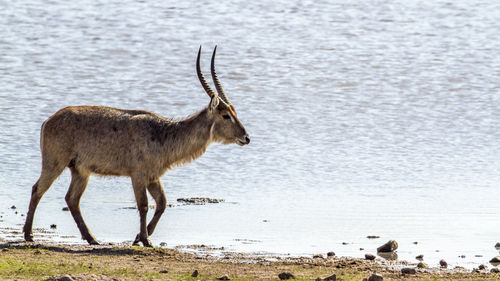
(366, 118)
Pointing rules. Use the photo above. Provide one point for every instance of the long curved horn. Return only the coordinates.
(217, 84)
(204, 83)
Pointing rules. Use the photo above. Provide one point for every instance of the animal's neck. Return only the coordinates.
(192, 138)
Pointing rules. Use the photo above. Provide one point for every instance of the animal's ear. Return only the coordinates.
(214, 102)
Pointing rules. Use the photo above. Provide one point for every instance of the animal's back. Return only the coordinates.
(98, 139)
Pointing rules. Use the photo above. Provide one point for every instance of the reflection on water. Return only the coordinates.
(376, 118)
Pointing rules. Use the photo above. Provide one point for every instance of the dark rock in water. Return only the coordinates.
(375, 277)
(495, 260)
(372, 237)
(422, 265)
(361, 249)
(443, 263)
(163, 244)
(65, 209)
(369, 257)
(482, 267)
(495, 270)
(420, 257)
(408, 270)
(478, 256)
(330, 254)
(53, 226)
(223, 277)
(195, 273)
(345, 243)
(390, 246)
(199, 200)
(497, 245)
(286, 276)
(462, 256)
(13, 207)
(415, 242)
(391, 256)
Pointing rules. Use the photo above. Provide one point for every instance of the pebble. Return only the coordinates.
(195, 273)
(223, 277)
(65, 278)
(330, 254)
(13, 207)
(422, 265)
(361, 249)
(345, 243)
(415, 242)
(408, 270)
(369, 257)
(390, 246)
(286, 276)
(53, 226)
(420, 257)
(65, 209)
(375, 277)
(443, 263)
(163, 244)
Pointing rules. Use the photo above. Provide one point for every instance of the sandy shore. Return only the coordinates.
(51, 261)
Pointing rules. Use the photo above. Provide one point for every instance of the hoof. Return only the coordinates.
(93, 242)
(147, 243)
(136, 241)
(28, 237)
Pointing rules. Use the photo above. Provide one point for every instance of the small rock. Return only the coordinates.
(495, 270)
(361, 249)
(163, 244)
(286, 276)
(372, 237)
(199, 200)
(415, 242)
(497, 245)
(462, 256)
(375, 277)
(390, 246)
(332, 277)
(482, 267)
(495, 259)
(318, 256)
(53, 226)
(223, 277)
(330, 254)
(13, 207)
(164, 271)
(420, 257)
(443, 263)
(422, 265)
(408, 270)
(345, 243)
(65, 209)
(65, 278)
(478, 256)
(369, 257)
(195, 273)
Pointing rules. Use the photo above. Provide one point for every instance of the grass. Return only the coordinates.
(24, 262)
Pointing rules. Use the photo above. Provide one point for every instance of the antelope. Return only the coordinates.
(135, 143)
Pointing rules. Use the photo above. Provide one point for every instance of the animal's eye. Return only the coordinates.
(226, 116)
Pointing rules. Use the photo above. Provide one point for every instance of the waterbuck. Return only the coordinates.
(135, 143)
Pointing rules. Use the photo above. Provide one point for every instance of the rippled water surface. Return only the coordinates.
(366, 118)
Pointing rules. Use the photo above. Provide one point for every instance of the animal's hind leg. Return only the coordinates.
(140, 186)
(78, 184)
(156, 190)
(50, 171)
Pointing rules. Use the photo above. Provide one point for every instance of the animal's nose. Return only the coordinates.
(247, 139)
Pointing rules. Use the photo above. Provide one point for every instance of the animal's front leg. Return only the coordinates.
(140, 186)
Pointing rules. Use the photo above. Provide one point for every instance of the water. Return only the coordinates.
(370, 118)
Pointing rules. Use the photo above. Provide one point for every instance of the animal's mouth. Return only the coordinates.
(243, 141)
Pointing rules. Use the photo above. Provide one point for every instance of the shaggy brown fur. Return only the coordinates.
(135, 143)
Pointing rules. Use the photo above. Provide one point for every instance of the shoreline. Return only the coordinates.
(52, 261)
